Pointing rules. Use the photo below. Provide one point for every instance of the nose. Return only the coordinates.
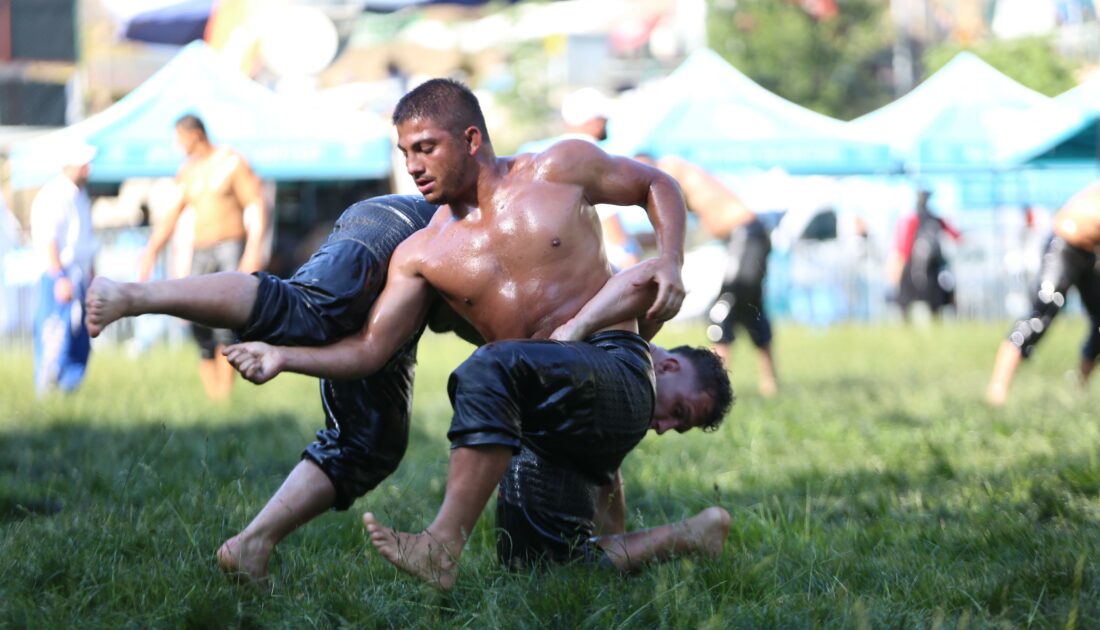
(413, 166)
(662, 425)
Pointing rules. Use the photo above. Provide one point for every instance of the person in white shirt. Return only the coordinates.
(65, 247)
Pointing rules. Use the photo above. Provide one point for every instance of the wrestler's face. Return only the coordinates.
(188, 139)
(680, 406)
(440, 161)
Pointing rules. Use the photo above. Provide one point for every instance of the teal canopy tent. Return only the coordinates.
(1063, 133)
(708, 112)
(954, 119)
(284, 140)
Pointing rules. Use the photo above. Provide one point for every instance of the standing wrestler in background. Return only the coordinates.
(741, 300)
(1068, 260)
(218, 184)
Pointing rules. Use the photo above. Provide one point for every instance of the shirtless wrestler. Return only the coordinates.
(1070, 259)
(367, 420)
(516, 251)
(220, 187)
(741, 299)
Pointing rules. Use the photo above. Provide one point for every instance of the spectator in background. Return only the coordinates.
(230, 223)
(65, 246)
(741, 300)
(917, 270)
(584, 114)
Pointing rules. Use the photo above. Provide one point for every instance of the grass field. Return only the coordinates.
(876, 491)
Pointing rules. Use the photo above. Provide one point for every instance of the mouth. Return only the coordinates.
(425, 186)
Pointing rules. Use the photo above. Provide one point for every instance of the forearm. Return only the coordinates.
(54, 259)
(252, 257)
(349, 358)
(610, 517)
(160, 237)
(626, 295)
(665, 206)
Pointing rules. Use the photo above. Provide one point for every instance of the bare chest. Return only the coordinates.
(510, 271)
(210, 181)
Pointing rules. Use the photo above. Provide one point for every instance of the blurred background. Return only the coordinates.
(825, 117)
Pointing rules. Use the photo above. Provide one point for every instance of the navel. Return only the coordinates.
(556, 242)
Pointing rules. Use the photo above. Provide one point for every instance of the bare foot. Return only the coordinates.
(106, 302)
(244, 560)
(709, 529)
(419, 555)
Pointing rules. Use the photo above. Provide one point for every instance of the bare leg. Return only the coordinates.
(1086, 369)
(306, 493)
(217, 376)
(768, 384)
(1004, 369)
(217, 300)
(703, 534)
(432, 555)
(225, 374)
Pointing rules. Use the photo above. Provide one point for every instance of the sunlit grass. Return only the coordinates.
(877, 490)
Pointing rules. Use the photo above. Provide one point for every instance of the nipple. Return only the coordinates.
(556, 242)
(468, 302)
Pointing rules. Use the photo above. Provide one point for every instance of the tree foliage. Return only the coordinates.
(1032, 61)
(838, 65)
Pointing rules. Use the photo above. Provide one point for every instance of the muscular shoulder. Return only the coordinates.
(567, 153)
(564, 161)
(410, 254)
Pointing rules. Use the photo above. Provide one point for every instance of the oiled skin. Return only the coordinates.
(515, 249)
(1078, 222)
(522, 266)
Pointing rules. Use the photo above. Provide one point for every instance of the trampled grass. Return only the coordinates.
(876, 491)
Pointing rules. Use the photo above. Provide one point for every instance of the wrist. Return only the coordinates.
(282, 360)
(674, 257)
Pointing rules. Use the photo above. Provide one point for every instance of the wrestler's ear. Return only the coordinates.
(667, 365)
(473, 139)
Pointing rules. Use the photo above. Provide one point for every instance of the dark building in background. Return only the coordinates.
(33, 32)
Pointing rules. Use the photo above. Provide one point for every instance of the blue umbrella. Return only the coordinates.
(175, 22)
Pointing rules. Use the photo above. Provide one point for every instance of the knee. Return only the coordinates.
(1027, 332)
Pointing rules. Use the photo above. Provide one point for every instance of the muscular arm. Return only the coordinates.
(397, 315)
(626, 182)
(247, 188)
(626, 295)
(610, 515)
(718, 208)
(161, 233)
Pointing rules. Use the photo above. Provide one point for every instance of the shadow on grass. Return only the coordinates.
(123, 521)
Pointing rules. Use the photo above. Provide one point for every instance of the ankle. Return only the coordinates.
(453, 539)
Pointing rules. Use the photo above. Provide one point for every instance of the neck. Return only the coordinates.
(490, 171)
(202, 150)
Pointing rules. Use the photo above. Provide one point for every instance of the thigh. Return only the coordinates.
(366, 431)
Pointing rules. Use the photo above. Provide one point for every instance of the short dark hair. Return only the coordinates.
(711, 377)
(445, 101)
(191, 122)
